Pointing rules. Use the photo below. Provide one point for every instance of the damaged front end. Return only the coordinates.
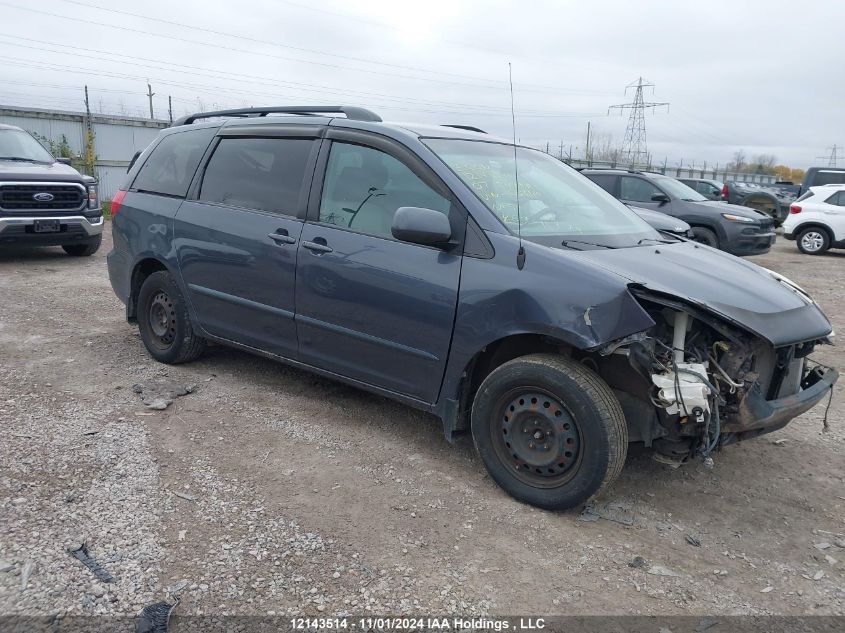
(700, 382)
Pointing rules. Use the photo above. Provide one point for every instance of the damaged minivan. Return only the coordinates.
(487, 283)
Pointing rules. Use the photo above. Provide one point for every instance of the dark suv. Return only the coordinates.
(548, 319)
(731, 228)
(43, 200)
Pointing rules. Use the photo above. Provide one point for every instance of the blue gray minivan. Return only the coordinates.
(487, 283)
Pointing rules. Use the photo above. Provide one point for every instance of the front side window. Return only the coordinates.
(364, 187)
(173, 162)
(18, 145)
(638, 189)
(265, 174)
(556, 205)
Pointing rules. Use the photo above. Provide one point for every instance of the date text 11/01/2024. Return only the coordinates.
(417, 624)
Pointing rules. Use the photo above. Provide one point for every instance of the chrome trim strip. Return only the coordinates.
(92, 227)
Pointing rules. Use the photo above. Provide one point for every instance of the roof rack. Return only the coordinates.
(469, 128)
(351, 112)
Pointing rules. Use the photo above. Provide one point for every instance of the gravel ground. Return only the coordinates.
(265, 490)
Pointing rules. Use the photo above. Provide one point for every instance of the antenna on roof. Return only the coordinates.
(520, 254)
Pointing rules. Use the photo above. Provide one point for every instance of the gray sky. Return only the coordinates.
(762, 76)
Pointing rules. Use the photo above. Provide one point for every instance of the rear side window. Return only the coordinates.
(605, 181)
(838, 199)
(823, 177)
(265, 174)
(173, 162)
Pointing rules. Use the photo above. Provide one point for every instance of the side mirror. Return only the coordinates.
(63, 160)
(421, 226)
(662, 198)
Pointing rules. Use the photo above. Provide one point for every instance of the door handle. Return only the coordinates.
(317, 248)
(282, 237)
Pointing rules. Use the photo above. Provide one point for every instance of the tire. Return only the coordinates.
(164, 323)
(705, 236)
(549, 430)
(83, 250)
(813, 241)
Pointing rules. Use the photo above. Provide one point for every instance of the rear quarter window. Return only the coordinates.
(173, 162)
(605, 181)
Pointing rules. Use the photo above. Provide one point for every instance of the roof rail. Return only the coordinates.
(351, 112)
(469, 128)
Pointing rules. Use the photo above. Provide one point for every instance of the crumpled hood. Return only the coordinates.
(739, 291)
(11, 170)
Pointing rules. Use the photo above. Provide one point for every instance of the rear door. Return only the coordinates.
(834, 209)
(237, 238)
(368, 306)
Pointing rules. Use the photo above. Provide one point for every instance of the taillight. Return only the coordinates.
(794, 208)
(117, 201)
(724, 193)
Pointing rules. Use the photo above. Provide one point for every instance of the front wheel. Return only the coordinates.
(164, 323)
(704, 235)
(83, 250)
(549, 430)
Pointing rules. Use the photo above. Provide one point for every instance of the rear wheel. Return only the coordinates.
(705, 236)
(164, 323)
(83, 250)
(549, 430)
(813, 241)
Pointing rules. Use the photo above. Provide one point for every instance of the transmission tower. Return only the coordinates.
(833, 156)
(634, 147)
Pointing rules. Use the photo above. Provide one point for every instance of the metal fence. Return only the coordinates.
(676, 172)
(115, 138)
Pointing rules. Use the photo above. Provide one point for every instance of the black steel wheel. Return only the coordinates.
(538, 437)
(549, 430)
(164, 322)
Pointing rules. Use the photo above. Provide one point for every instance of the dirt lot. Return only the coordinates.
(267, 489)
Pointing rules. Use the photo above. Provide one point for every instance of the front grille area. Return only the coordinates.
(17, 198)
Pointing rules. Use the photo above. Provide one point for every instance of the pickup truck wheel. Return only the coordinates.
(164, 323)
(705, 236)
(813, 241)
(549, 430)
(83, 250)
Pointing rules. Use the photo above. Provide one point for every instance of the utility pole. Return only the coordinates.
(560, 154)
(587, 147)
(170, 108)
(634, 147)
(89, 137)
(150, 94)
(833, 157)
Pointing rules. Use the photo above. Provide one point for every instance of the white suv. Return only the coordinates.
(816, 220)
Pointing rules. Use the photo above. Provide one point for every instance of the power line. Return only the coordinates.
(634, 146)
(490, 83)
(102, 55)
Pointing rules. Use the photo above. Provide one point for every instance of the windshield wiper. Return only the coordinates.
(654, 239)
(19, 158)
(567, 243)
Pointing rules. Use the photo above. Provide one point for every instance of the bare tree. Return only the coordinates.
(739, 161)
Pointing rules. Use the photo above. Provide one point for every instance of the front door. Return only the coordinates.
(368, 306)
(638, 192)
(237, 240)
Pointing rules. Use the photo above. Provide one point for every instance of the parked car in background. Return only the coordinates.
(772, 201)
(815, 176)
(43, 200)
(663, 222)
(731, 228)
(817, 220)
(396, 258)
(710, 189)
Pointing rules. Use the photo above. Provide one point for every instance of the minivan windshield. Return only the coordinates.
(18, 145)
(557, 205)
